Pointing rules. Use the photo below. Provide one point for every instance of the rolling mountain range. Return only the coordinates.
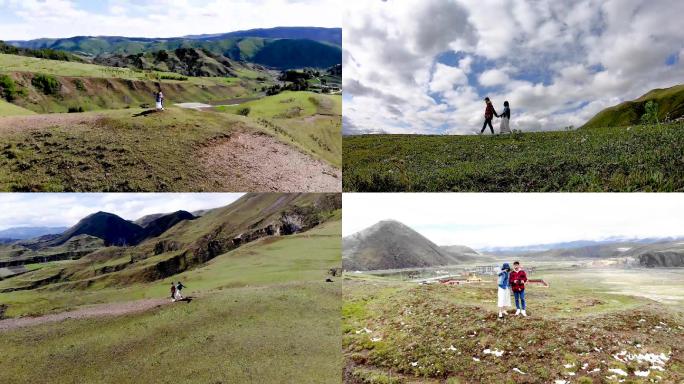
(23, 233)
(185, 61)
(325, 35)
(670, 105)
(280, 48)
(392, 245)
(569, 245)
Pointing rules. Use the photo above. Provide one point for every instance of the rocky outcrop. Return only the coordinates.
(661, 259)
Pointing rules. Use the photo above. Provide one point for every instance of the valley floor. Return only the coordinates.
(580, 330)
(601, 159)
(260, 313)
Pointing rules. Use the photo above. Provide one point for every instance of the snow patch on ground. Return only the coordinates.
(494, 352)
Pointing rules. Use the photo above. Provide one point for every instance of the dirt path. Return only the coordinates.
(260, 163)
(100, 310)
(17, 123)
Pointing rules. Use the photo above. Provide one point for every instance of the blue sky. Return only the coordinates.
(482, 220)
(29, 19)
(66, 209)
(425, 66)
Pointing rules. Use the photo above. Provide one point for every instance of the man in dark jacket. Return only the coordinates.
(489, 116)
(518, 279)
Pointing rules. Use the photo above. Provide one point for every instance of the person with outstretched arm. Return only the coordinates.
(489, 116)
(518, 280)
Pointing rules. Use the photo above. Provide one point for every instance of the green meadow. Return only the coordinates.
(626, 159)
(260, 313)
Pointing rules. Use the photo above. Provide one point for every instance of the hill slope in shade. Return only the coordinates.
(393, 245)
(163, 223)
(670, 102)
(106, 226)
(145, 220)
(667, 254)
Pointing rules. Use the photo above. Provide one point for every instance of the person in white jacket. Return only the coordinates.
(504, 289)
(505, 116)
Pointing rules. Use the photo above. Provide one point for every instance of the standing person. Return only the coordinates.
(179, 288)
(173, 291)
(504, 293)
(505, 119)
(518, 279)
(160, 100)
(489, 115)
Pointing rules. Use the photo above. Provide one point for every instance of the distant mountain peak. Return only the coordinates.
(391, 244)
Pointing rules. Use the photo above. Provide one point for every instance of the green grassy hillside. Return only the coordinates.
(121, 144)
(95, 87)
(670, 102)
(581, 329)
(9, 109)
(260, 313)
(312, 122)
(638, 158)
(188, 245)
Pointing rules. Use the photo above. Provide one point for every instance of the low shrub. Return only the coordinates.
(244, 111)
(47, 84)
(78, 83)
(75, 109)
(8, 88)
(172, 77)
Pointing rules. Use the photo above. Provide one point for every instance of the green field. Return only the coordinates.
(401, 332)
(638, 158)
(310, 121)
(261, 313)
(9, 109)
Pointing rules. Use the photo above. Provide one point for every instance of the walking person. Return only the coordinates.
(504, 293)
(179, 288)
(489, 115)
(505, 116)
(518, 279)
(160, 100)
(173, 292)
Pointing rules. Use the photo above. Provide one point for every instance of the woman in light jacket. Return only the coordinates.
(504, 291)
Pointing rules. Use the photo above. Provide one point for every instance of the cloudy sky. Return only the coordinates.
(488, 220)
(66, 209)
(30, 19)
(424, 66)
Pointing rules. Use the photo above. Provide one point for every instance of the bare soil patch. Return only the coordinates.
(101, 310)
(260, 163)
